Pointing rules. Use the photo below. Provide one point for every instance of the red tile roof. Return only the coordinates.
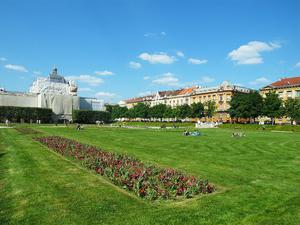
(139, 99)
(187, 91)
(285, 82)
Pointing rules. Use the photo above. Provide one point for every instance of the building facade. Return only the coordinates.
(53, 92)
(285, 88)
(221, 95)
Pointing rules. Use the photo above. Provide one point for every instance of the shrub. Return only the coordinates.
(89, 116)
(146, 181)
(16, 114)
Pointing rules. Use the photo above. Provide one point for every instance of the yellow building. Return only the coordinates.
(221, 95)
(285, 88)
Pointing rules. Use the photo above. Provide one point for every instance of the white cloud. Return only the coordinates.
(145, 93)
(297, 64)
(197, 61)
(104, 73)
(207, 79)
(87, 79)
(3, 59)
(135, 65)
(260, 81)
(105, 95)
(251, 52)
(17, 68)
(161, 57)
(38, 73)
(85, 89)
(146, 78)
(152, 35)
(167, 79)
(180, 54)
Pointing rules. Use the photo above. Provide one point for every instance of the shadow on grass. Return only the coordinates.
(2, 154)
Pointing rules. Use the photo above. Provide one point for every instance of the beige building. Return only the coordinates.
(285, 88)
(221, 95)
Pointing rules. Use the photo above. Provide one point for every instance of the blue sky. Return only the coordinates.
(120, 49)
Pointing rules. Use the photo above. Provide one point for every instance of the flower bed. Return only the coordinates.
(27, 130)
(146, 181)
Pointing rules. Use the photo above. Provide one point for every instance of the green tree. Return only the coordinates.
(169, 112)
(255, 104)
(209, 109)
(272, 107)
(183, 111)
(119, 112)
(292, 109)
(158, 111)
(246, 105)
(197, 110)
(238, 106)
(141, 110)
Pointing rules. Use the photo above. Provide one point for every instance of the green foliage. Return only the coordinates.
(16, 114)
(243, 105)
(156, 124)
(158, 111)
(272, 106)
(197, 110)
(209, 109)
(183, 111)
(169, 112)
(292, 109)
(141, 110)
(118, 112)
(90, 116)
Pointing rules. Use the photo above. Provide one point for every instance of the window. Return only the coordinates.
(280, 94)
(289, 94)
(298, 93)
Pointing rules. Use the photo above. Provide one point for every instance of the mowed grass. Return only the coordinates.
(257, 178)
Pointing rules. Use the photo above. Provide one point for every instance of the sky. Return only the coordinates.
(118, 49)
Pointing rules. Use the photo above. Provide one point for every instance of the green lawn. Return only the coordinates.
(257, 178)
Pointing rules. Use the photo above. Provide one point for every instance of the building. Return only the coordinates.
(53, 92)
(173, 98)
(285, 88)
(221, 95)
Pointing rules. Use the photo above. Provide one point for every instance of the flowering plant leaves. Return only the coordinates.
(146, 181)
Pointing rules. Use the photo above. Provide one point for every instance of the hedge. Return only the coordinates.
(90, 116)
(16, 114)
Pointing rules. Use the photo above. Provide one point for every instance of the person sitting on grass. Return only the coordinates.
(238, 134)
(78, 127)
(186, 133)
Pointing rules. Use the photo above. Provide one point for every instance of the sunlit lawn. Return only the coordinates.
(257, 178)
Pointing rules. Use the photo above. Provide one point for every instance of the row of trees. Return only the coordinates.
(160, 111)
(253, 105)
(242, 105)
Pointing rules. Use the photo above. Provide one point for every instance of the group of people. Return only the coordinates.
(193, 133)
(238, 134)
